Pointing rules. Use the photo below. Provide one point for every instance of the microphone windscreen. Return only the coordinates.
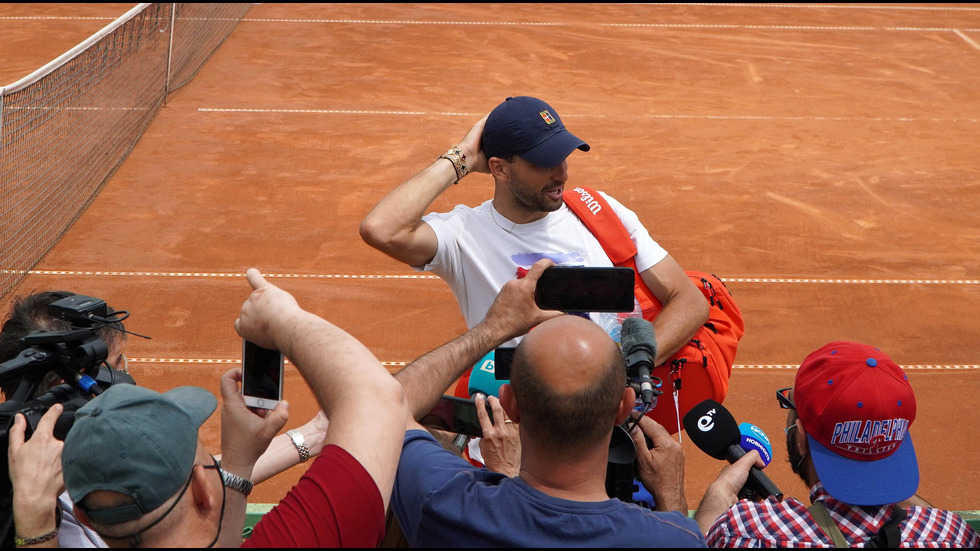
(712, 428)
(482, 377)
(752, 438)
(637, 332)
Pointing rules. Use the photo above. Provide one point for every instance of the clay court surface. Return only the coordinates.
(822, 159)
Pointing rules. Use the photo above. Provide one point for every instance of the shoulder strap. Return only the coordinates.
(597, 215)
(827, 524)
(889, 535)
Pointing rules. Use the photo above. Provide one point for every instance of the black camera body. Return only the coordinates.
(77, 357)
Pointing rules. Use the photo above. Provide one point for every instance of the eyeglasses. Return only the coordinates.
(782, 396)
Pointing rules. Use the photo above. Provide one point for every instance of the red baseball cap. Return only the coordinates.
(856, 406)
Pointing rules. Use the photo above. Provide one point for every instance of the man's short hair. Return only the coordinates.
(30, 313)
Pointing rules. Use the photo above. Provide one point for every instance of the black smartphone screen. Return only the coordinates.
(585, 289)
(503, 356)
(261, 372)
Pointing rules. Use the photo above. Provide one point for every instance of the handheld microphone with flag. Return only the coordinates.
(640, 352)
(715, 432)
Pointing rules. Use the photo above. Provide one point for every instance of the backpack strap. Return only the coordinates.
(827, 524)
(597, 215)
(890, 534)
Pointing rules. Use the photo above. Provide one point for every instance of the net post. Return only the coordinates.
(170, 51)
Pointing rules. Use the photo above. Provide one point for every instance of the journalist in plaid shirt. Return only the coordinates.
(847, 435)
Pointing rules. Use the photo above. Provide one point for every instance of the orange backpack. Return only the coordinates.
(701, 369)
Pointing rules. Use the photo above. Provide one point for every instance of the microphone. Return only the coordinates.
(752, 438)
(640, 351)
(483, 379)
(715, 432)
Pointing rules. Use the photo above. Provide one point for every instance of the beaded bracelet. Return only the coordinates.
(456, 156)
(21, 542)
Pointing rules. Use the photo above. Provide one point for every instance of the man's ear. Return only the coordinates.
(802, 444)
(499, 168)
(509, 402)
(626, 404)
(201, 489)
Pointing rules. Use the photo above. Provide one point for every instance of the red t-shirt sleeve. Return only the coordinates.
(335, 504)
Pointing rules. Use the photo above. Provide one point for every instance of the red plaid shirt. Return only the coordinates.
(789, 524)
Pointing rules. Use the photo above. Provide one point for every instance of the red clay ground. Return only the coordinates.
(778, 146)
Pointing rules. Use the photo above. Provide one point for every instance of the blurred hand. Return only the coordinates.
(501, 442)
(245, 434)
(514, 312)
(471, 145)
(35, 473)
(263, 310)
(661, 467)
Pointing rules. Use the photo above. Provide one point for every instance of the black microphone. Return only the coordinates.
(715, 432)
(640, 351)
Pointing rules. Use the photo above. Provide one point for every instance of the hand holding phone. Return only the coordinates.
(262, 374)
(585, 289)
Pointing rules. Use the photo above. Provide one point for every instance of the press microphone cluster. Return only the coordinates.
(639, 346)
(715, 432)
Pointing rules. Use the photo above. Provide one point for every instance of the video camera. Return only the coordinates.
(78, 357)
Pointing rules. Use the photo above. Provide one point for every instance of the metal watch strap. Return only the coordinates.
(300, 443)
(235, 482)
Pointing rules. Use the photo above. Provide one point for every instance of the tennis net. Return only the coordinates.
(66, 128)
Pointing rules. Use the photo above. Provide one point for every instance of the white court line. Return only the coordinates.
(650, 25)
(814, 280)
(572, 115)
(967, 38)
(817, 6)
(236, 361)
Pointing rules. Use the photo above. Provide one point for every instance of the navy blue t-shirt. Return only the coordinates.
(440, 500)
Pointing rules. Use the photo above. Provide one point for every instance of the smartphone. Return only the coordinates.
(457, 415)
(261, 376)
(503, 356)
(585, 289)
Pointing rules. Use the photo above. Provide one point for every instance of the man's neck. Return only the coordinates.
(515, 212)
(579, 478)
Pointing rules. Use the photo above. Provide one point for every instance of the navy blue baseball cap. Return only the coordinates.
(531, 129)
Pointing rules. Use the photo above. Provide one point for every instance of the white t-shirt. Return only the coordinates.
(480, 250)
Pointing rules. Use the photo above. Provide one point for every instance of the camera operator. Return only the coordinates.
(35, 466)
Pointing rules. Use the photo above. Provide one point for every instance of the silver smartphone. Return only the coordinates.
(261, 376)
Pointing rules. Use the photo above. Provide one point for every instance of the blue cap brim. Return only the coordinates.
(889, 480)
(555, 149)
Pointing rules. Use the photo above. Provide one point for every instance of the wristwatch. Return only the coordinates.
(235, 482)
(300, 443)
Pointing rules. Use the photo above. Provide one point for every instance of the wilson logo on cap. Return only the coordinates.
(547, 117)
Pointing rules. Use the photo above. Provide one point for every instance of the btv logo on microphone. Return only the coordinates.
(706, 422)
(487, 366)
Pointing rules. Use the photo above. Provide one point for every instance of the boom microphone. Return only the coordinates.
(640, 351)
(752, 438)
(715, 432)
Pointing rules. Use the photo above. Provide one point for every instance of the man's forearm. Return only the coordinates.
(392, 223)
(425, 379)
(678, 322)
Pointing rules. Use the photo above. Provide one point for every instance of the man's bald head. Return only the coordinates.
(568, 377)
